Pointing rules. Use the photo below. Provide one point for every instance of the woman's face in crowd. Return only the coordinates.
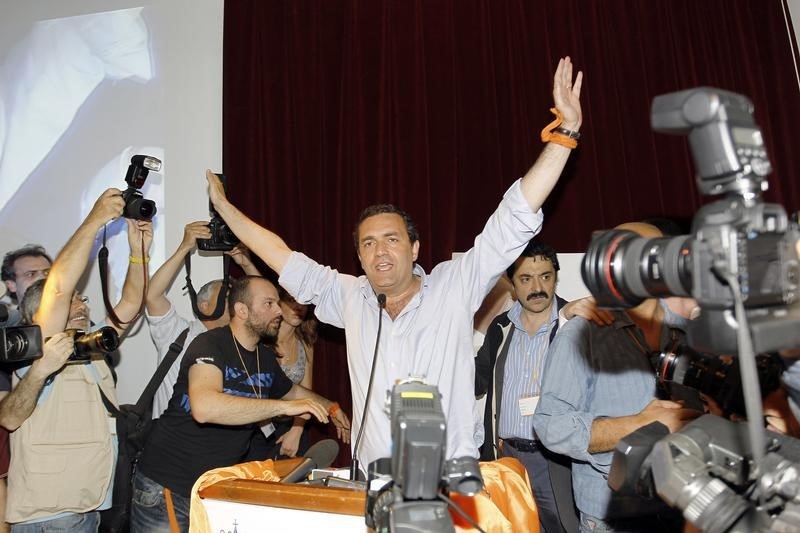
(293, 312)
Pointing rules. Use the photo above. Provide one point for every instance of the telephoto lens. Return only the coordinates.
(621, 269)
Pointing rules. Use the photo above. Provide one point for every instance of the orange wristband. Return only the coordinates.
(548, 136)
(563, 140)
(333, 409)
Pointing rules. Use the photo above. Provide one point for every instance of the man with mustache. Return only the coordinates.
(508, 369)
(228, 383)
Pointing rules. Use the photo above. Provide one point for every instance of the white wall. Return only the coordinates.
(175, 110)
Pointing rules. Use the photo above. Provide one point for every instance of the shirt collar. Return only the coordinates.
(369, 294)
(515, 315)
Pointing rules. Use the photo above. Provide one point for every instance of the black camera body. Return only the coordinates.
(20, 344)
(87, 344)
(739, 237)
(222, 238)
(136, 206)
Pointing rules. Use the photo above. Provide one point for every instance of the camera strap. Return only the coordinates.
(223, 291)
(102, 263)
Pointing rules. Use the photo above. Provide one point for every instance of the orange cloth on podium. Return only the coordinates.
(261, 470)
(506, 503)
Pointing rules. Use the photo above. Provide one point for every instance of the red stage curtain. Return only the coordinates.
(437, 105)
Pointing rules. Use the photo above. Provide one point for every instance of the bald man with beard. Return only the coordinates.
(598, 385)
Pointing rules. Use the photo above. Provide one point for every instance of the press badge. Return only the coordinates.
(527, 406)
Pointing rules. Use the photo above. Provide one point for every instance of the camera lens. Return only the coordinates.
(101, 341)
(147, 209)
(136, 206)
(621, 269)
(16, 345)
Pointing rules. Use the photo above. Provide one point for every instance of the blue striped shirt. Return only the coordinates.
(522, 376)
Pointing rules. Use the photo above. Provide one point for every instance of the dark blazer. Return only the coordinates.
(489, 368)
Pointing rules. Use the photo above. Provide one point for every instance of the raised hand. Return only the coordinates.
(140, 237)
(193, 231)
(107, 207)
(567, 93)
(216, 192)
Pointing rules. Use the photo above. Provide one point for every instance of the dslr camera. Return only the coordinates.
(136, 206)
(736, 240)
(222, 238)
(23, 344)
(86, 344)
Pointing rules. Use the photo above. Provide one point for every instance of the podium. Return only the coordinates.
(244, 505)
(253, 505)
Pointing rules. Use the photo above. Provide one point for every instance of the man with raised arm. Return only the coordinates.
(62, 448)
(166, 324)
(427, 326)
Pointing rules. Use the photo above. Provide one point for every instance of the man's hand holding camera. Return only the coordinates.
(108, 207)
(672, 414)
(191, 232)
(56, 352)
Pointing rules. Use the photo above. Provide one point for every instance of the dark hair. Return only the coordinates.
(29, 250)
(31, 301)
(239, 292)
(535, 249)
(307, 331)
(380, 209)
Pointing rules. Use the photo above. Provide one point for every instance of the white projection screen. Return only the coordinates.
(84, 85)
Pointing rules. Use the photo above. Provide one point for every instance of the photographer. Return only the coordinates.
(63, 449)
(165, 322)
(597, 387)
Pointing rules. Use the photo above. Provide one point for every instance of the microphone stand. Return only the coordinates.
(354, 465)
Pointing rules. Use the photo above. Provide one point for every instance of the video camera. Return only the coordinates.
(23, 344)
(706, 470)
(20, 344)
(412, 501)
(136, 206)
(222, 238)
(738, 236)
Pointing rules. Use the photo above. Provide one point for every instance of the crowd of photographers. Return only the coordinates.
(58, 443)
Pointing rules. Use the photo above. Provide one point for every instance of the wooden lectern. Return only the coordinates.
(247, 505)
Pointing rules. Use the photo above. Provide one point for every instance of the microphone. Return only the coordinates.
(354, 465)
(320, 455)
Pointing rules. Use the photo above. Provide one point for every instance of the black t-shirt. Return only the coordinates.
(179, 449)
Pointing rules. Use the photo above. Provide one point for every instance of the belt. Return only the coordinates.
(523, 445)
